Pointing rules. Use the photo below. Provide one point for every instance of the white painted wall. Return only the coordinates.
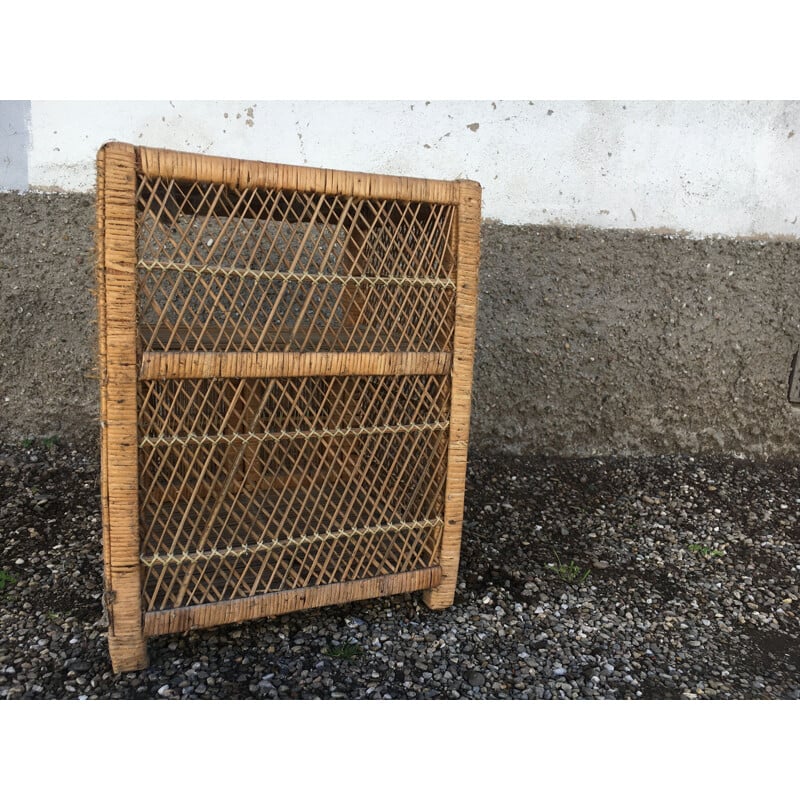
(730, 168)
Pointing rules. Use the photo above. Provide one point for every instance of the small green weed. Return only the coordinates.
(705, 551)
(49, 442)
(570, 573)
(6, 580)
(345, 651)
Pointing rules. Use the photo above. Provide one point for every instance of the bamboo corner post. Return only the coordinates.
(286, 364)
(468, 256)
(116, 208)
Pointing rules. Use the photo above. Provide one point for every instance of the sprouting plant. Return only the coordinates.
(6, 580)
(570, 573)
(49, 442)
(345, 651)
(705, 551)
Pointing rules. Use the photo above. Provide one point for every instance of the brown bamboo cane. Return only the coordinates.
(467, 258)
(117, 265)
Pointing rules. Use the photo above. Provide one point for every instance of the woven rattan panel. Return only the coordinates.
(254, 485)
(296, 339)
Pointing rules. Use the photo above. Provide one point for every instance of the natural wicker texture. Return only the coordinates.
(116, 224)
(287, 359)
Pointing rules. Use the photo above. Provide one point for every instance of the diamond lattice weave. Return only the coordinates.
(286, 356)
(299, 272)
(288, 469)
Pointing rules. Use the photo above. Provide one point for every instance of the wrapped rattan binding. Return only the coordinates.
(286, 358)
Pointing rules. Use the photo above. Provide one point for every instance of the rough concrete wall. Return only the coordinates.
(589, 341)
(47, 317)
(620, 342)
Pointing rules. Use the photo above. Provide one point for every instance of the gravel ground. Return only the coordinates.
(667, 577)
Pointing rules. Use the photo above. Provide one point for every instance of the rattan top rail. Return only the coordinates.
(244, 174)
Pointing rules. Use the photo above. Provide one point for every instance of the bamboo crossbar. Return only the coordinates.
(157, 365)
(180, 620)
(244, 174)
(286, 361)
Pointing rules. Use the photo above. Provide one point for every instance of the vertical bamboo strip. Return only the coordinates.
(100, 285)
(117, 265)
(468, 231)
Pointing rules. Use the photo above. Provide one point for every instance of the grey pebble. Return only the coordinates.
(475, 678)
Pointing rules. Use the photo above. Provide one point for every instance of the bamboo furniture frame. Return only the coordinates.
(286, 363)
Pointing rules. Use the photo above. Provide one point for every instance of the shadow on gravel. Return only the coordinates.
(665, 577)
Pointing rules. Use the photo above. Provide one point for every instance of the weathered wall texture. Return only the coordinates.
(14, 144)
(47, 317)
(589, 341)
(709, 168)
(619, 342)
